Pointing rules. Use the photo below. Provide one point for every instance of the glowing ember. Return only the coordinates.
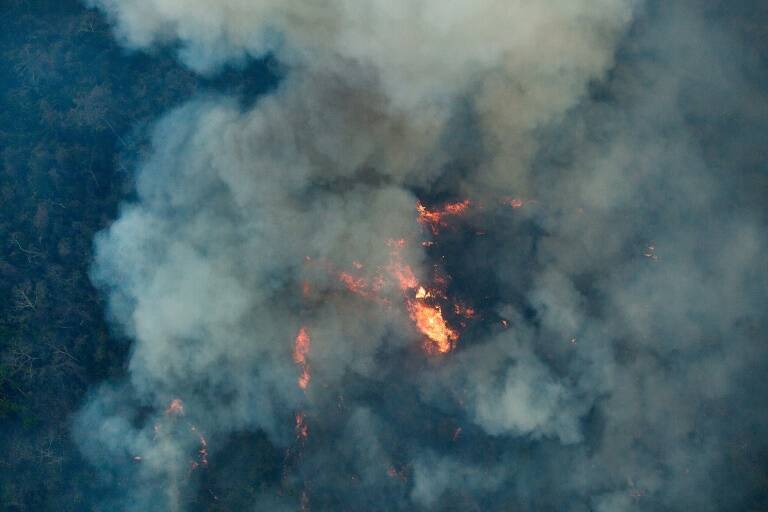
(300, 351)
(463, 311)
(175, 408)
(393, 472)
(302, 429)
(514, 202)
(203, 451)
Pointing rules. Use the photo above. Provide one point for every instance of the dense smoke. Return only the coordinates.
(617, 307)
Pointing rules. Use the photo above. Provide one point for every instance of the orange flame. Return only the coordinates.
(300, 352)
(434, 218)
(429, 320)
(423, 303)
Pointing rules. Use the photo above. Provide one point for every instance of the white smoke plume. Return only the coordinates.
(383, 104)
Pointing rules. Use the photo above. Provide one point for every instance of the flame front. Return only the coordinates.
(428, 318)
(434, 219)
(424, 301)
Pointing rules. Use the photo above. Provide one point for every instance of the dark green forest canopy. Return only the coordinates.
(75, 108)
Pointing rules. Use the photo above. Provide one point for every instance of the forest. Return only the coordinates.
(77, 110)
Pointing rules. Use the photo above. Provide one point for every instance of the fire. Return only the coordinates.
(429, 320)
(404, 275)
(300, 351)
(202, 453)
(424, 301)
(464, 311)
(402, 272)
(397, 474)
(434, 219)
(353, 284)
(302, 429)
(174, 411)
(175, 408)
(514, 202)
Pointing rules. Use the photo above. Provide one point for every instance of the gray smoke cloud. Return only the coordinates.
(632, 303)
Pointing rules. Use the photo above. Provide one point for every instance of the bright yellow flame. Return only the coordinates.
(430, 322)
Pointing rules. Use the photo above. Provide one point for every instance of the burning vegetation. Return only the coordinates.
(300, 351)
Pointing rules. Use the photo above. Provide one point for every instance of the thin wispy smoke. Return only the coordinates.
(617, 309)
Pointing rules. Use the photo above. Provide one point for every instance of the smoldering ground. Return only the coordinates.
(616, 355)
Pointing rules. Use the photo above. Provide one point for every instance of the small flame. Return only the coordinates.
(393, 472)
(302, 429)
(175, 408)
(464, 311)
(514, 202)
(203, 451)
(300, 351)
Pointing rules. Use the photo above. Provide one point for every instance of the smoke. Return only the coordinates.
(618, 310)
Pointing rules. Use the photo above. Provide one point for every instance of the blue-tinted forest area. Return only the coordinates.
(74, 110)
